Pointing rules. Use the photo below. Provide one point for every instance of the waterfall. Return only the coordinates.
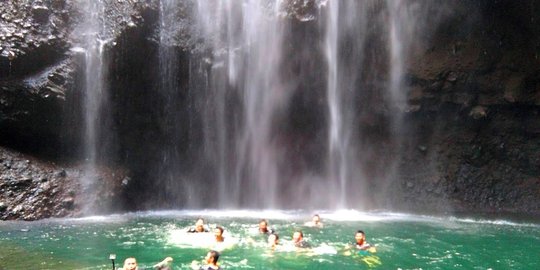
(337, 144)
(406, 25)
(170, 167)
(219, 68)
(243, 94)
(339, 124)
(92, 41)
(346, 30)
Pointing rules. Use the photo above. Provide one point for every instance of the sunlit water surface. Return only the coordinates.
(403, 241)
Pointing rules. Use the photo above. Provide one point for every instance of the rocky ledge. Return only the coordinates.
(32, 189)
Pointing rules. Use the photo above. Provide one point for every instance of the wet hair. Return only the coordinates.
(360, 231)
(214, 254)
(301, 233)
(200, 219)
(317, 215)
(263, 220)
(220, 229)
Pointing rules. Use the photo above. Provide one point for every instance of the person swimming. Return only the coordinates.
(263, 227)
(131, 264)
(273, 241)
(199, 227)
(315, 222)
(360, 241)
(211, 262)
(218, 232)
(298, 240)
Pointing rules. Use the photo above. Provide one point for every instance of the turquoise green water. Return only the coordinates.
(403, 241)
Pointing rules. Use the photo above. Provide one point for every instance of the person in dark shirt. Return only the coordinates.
(199, 227)
(263, 227)
(360, 241)
(298, 240)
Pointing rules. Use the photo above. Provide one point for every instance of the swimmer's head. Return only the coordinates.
(316, 219)
(212, 257)
(130, 264)
(263, 225)
(298, 236)
(199, 225)
(360, 237)
(218, 232)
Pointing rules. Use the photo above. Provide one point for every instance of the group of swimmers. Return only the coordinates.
(212, 257)
(211, 263)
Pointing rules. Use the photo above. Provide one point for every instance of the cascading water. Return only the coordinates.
(407, 23)
(400, 31)
(246, 40)
(246, 83)
(398, 21)
(169, 170)
(357, 85)
(343, 71)
(95, 92)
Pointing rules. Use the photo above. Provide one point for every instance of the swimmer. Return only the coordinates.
(273, 240)
(199, 227)
(360, 245)
(263, 227)
(218, 232)
(210, 260)
(131, 264)
(298, 240)
(315, 222)
(360, 241)
(221, 242)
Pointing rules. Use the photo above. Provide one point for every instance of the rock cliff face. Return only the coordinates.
(33, 189)
(41, 72)
(470, 140)
(474, 112)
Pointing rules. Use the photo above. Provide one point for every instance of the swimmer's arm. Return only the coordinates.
(365, 246)
(163, 263)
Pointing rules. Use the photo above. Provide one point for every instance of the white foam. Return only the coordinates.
(181, 238)
(216, 213)
(325, 249)
(343, 215)
(494, 222)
